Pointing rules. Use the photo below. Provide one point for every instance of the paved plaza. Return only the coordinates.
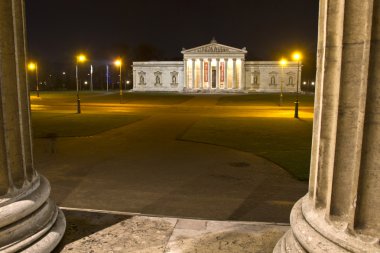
(146, 167)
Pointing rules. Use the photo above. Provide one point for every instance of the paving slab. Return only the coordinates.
(92, 231)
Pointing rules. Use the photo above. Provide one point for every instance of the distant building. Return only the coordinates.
(215, 68)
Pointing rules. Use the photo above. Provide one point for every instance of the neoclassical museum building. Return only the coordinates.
(215, 68)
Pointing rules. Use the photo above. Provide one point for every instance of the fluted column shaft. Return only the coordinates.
(242, 79)
(226, 73)
(201, 81)
(209, 74)
(217, 73)
(185, 73)
(341, 212)
(234, 76)
(29, 221)
(193, 82)
(16, 170)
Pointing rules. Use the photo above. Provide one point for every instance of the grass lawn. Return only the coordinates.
(286, 142)
(110, 97)
(51, 125)
(267, 99)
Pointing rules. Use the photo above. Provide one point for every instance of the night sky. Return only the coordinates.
(58, 29)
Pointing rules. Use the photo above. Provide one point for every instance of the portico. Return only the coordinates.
(214, 67)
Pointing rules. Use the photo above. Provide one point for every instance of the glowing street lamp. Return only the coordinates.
(80, 59)
(119, 63)
(297, 56)
(33, 66)
(283, 63)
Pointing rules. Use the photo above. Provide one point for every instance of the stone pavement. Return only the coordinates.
(147, 168)
(91, 231)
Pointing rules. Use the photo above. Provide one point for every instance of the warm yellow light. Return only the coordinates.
(81, 58)
(297, 56)
(283, 62)
(118, 62)
(32, 66)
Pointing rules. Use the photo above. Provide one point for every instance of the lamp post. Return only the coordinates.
(80, 59)
(91, 81)
(297, 57)
(118, 63)
(107, 75)
(33, 66)
(283, 63)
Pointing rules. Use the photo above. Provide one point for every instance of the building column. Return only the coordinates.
(201, 81)
(185, 78)
(242, 79)
(209, 74)
(217, 74)
(193, 74)
(234, 79)
(341, 212)
(29, 220)
(225, 74)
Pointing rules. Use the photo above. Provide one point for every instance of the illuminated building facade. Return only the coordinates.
(215, 68)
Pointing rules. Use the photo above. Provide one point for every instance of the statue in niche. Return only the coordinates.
(141, 79)
(158, 79)
(174, 79)
(273, 80)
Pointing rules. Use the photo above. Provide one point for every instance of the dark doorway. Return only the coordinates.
(213, 78)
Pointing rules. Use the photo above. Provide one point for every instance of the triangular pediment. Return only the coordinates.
(214, 48)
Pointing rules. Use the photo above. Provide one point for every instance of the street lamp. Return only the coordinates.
(297, 57)
(80, 59)
(33, 66)
(118, 63)
(283, 63)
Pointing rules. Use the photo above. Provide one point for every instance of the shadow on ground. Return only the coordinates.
(80, 224)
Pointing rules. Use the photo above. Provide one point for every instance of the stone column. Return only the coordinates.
(341, 212)
(29, 220)
(217, 74)
(209, 74)
(242, 79)
(201, 81)
(225, 74)
(193, 74)
(234, 81)
(185, 79)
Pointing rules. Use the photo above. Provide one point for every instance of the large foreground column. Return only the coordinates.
(341, 212)
(29, 220)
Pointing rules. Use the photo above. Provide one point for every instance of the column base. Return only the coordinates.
(310, 232)
(32, 223)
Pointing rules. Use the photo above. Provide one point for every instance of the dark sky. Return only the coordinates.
(57, 29)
